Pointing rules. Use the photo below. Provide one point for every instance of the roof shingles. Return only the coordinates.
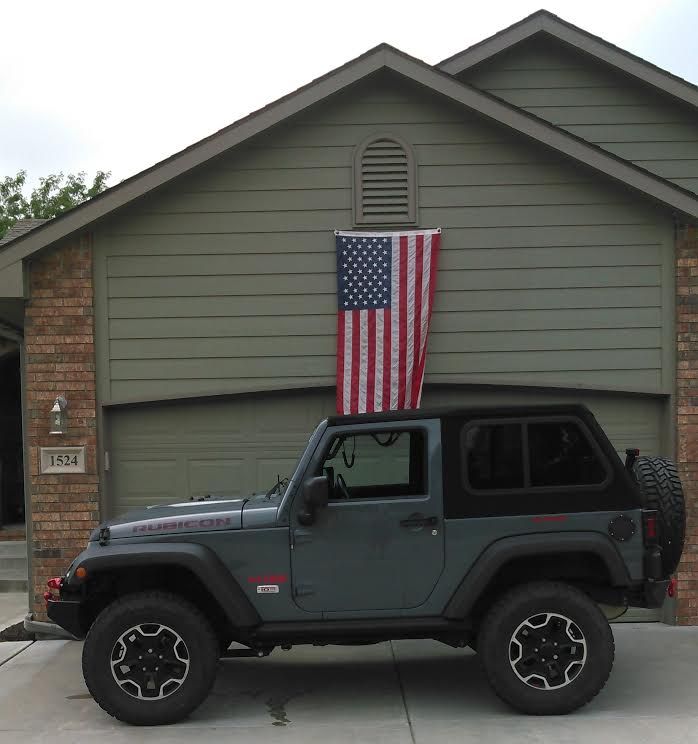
(21, 227)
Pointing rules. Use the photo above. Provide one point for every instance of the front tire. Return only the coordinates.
(150, 659)
(546, 647)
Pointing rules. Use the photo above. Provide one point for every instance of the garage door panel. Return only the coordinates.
(145, 480)
(217, 477)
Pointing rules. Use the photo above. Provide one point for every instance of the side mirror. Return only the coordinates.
(316, 494)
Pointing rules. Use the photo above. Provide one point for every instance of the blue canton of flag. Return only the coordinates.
(363, 272)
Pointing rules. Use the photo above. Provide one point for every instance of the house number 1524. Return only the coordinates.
(62, 460)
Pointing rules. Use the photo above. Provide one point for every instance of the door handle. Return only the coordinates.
(419, 521)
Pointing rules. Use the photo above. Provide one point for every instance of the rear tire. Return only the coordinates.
(150, 658)
(661, 489)
(546, 647)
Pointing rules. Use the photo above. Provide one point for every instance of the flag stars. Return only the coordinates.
(364, 272)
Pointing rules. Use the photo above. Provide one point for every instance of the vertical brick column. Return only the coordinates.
(687, 420)
(60, 360)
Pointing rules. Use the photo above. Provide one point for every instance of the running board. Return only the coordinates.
(365, 628)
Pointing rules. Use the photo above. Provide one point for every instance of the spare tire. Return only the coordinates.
(661, 489)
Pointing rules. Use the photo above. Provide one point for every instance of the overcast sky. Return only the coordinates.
(120, 85)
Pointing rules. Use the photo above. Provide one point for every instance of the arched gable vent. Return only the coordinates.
(385, 188)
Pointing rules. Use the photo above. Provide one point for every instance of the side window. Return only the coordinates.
(493, 456)
(561, 455)
(376, 464)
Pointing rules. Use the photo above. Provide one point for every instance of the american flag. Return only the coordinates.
(385, 291)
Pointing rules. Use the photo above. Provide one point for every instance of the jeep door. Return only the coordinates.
(379, 544)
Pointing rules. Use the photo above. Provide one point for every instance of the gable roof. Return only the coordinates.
(382, 57)
(543, 21)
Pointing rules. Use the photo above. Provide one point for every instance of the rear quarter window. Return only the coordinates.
(529, 465)
(561, 454)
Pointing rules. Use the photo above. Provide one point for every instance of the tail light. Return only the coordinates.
(53, 594)
(671, 589)
(653, 551)
(650, 526)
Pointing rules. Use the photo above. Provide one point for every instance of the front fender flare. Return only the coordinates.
(507, 549)
(200, 560)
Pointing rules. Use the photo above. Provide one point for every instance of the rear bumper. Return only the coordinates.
(68, 615)
(655, 593)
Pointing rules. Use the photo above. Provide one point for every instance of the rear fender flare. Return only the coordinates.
(502, 551)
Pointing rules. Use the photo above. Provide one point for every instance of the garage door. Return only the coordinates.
(234, 446)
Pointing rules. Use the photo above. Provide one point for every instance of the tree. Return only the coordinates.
(54, 195)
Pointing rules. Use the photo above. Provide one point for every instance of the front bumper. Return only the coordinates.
(67, 614)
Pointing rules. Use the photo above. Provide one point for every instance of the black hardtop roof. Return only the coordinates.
(494, 411)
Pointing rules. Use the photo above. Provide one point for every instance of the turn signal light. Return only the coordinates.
(54, 589)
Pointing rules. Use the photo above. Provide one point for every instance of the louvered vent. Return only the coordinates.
(385, 183)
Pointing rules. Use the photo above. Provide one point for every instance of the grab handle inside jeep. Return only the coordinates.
(316, 494)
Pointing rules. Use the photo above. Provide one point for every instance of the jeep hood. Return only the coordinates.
(189, 516)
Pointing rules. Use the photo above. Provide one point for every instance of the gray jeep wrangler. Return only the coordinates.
(502, 529)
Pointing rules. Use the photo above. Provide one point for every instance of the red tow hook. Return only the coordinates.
(671, 589)
(54, 590)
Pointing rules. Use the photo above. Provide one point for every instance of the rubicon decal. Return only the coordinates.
(184, 524)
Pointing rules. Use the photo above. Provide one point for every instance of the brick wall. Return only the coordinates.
(59, 344)
(687, 424)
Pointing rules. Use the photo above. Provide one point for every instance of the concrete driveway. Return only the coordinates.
(399, 693)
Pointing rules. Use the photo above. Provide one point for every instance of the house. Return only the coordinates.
(187, 315)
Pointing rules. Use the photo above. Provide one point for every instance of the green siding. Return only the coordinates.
(597, 103)
(224, 281)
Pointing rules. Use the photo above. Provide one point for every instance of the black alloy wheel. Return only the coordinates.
(547, 651)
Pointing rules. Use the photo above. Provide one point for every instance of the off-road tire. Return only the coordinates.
(514, 608)
(661, 489)
(150, 608)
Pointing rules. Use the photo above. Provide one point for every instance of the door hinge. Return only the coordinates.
(107, 461)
